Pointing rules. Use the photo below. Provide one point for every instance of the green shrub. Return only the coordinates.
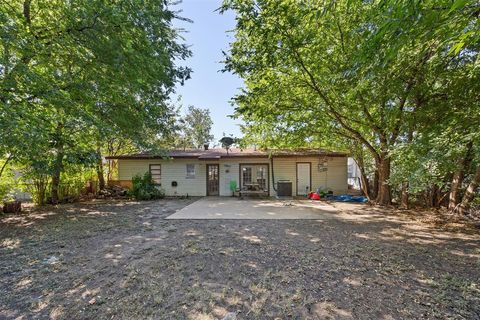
(36, 178)
(7, 184)
(36, 181)
(143, 188)
(4, 190)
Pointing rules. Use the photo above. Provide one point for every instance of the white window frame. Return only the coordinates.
(255, 169)
(156, 177)
(188, 174)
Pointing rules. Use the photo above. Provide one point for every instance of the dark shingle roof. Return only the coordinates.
(218, 153)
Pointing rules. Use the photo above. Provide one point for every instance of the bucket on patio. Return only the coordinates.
(313, 196)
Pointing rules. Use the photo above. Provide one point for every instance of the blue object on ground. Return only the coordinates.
(350, 198)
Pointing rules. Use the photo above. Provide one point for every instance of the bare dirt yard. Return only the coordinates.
(123, 260)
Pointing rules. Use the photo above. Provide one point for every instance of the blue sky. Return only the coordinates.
(208, 87)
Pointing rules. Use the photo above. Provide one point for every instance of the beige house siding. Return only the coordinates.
(233, 166)
(335, 178)
(172, 170)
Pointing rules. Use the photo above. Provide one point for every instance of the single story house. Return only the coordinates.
(211, 172)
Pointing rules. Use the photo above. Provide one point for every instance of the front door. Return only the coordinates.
(212, 179)
(304, 173)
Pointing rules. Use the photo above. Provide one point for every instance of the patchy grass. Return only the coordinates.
(122, 260)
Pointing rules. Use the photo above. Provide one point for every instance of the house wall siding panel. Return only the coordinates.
(335, 178)
(172, 170)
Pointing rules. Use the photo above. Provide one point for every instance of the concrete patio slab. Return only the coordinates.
(234, 208)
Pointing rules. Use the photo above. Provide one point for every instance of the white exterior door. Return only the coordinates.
(303, 178)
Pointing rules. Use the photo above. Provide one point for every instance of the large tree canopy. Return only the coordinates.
(72, 73)
(368, 77)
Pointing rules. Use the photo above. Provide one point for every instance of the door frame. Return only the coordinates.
(296, 172)
(218, 179)
(253, 164)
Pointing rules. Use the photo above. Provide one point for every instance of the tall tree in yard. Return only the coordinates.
(198, 126)
(334, 72)
(66, 68)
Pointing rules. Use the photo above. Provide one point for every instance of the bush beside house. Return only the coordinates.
(143, 188)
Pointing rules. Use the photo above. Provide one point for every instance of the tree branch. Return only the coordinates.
(26, 11)
(10, 157)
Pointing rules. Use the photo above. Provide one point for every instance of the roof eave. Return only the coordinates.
(126, 157)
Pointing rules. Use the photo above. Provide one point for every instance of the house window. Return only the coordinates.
(247, 175)
(254, 177)
(190, 171)
(262, 177)
(156, 172)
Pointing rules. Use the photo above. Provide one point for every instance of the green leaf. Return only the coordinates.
(458, 4)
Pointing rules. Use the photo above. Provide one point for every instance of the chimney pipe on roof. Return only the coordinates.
(205, 146)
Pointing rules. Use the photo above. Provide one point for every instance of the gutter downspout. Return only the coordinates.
(273, 175)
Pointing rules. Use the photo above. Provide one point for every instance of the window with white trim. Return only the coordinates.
(190, 171)
(156, 172)
(254, 177)
(246, 175)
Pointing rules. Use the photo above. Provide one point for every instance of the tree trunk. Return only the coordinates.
(57, 170)
(101, 177)
(112, 165)
(435, 197)
(364, 182)
(404, 204)
(384, 197)
(469, 195)
(458, 177)
(374, 192)
(405, 193)
(113, 147)
(454, 196)
(57, 165)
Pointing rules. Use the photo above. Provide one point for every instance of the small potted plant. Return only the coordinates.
(11, 204)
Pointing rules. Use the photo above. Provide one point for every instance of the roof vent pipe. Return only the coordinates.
(205, 146)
